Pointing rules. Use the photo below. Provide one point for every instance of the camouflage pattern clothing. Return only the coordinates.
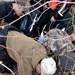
(56, 40)
(58, 43)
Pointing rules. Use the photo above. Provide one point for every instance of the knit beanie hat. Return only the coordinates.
(67, 62)
(48, 66)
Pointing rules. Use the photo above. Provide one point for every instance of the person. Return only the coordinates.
(58, 44)
(31, 57)
(50, 17)
(14, 11)
(10, 11)
(45, 19)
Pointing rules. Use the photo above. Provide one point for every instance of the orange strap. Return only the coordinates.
(53, 4)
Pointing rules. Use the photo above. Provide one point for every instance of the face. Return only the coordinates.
(38, 68)
(18, 9)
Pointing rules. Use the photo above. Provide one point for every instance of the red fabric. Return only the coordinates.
(53, 4)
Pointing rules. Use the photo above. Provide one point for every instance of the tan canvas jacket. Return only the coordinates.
(25, 51)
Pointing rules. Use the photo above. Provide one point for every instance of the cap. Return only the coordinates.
(48, 66)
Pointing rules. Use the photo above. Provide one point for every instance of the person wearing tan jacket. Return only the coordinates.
(31, 57)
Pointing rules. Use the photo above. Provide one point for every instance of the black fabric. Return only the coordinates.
(44, 19)
(8, 14)
(73, 42)
(32, 2)
(25, 24)
(4, 56)
(8, 28)
(5, 8)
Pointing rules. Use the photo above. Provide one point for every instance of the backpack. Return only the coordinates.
(4, 56)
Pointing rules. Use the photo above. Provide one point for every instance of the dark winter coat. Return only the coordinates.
(7, 13)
